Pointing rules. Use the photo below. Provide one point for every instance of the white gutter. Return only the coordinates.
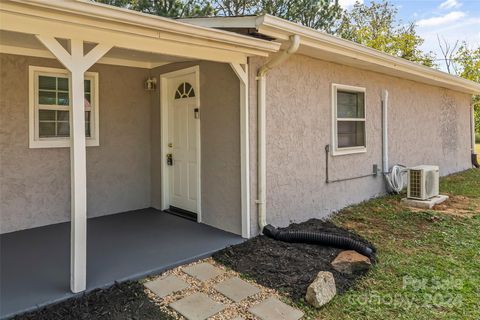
(320, 45)
(262, 123)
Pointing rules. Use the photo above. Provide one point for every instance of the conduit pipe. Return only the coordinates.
(385, 130)
(472, 124)
(261, 125)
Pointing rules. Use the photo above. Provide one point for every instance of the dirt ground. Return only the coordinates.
(459, 206)
(288, 267)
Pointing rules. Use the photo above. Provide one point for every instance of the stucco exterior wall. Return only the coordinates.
(220, 144)
(35, 183)
(427, 125)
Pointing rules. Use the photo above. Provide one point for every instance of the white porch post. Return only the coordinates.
(242, 73)
(77, 64)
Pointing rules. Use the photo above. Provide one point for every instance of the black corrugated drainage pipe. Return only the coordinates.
(321, 238)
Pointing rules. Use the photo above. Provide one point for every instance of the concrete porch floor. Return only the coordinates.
(35, 263)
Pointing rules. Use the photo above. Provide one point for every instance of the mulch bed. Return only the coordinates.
(120, 302)
(289, 267)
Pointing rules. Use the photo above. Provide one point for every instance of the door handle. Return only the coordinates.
(169, 159)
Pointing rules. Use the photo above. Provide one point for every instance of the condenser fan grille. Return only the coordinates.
(415, 183)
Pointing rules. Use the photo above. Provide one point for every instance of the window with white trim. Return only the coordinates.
(50, 105)
(349, 119)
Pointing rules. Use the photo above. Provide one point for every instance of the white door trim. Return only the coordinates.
(164, 100)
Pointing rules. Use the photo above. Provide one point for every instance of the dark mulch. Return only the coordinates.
(289, 267)
(125, 301)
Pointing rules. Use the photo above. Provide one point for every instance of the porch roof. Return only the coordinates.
(127, 29)
(35, 263)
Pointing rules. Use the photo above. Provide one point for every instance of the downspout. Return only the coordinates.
(261, 124)
(472, 124)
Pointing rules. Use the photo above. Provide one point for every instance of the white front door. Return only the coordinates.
(183, 142)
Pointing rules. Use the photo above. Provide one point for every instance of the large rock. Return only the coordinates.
(350, 261)
(321, 290)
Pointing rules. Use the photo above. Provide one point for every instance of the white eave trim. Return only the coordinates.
(321, 42)
(281, 29)
(145, 24)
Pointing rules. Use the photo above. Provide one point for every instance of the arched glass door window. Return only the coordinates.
(184, 90)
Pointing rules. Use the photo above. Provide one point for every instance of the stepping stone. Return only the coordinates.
(162, 287)
(236, 289)
(197, 306)
(203, 271)
(274, 309)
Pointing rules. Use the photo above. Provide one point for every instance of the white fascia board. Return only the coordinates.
(376, 60)
(222, 22)
(317, 43)
(124, 20)
(60, 29)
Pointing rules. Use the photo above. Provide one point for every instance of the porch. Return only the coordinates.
(35, 263)
(89, 96)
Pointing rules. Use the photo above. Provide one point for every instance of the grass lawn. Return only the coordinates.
(428, 262)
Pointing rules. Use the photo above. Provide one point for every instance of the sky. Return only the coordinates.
(451, 20)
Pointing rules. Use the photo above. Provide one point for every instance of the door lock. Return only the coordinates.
(169, 159)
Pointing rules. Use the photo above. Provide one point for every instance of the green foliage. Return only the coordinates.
(468, 63)
(165, 8)
(376, 26)
(317, 14)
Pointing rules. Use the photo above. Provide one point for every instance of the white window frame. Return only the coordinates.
(60, 142)
(347, 150)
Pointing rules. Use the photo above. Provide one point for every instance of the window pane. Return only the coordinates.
(87, 99)
(87, 86)
(87, 124)
(63, 99)
(47, 97)
(46, 129)
(87, 129)
(63, 129)
(350, 104)
(351, 134)
(47, 83)
(62, 84)
(63, 116)
(46, 115)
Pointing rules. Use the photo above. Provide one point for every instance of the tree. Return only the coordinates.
(468, 63)
(317, 14)
(376, 26)
(165, 8)
(448, 52)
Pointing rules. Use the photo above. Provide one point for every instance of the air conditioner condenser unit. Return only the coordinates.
(423, 182)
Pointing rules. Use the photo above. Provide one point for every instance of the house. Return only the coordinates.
(234, 122)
